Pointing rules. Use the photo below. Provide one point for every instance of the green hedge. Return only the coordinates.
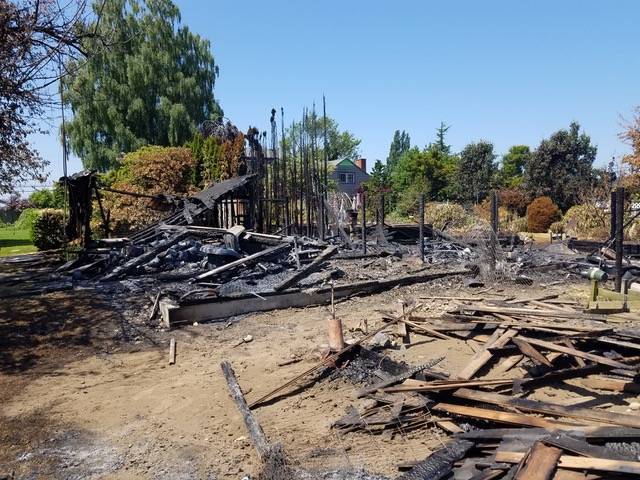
(48, 230)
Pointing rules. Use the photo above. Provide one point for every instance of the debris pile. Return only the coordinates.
(525, 348)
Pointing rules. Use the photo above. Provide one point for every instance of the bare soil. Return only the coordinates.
(85, 392)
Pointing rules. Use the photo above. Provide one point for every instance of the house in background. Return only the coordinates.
(349, 175)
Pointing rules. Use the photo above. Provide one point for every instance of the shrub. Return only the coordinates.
(517, 225)
(407, 203)
(513, 199)
(151, 170)
(541, 213)
(27, 218)
(557, 227)
(48, 230)
(451, 215)
(587, 221)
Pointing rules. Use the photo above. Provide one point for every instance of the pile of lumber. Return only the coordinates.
(496, 408)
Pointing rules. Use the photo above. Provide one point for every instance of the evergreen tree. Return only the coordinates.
(476, 171)
(513, 165)
(400, 144)
(440, 134)
(153, 85)
(561, 167)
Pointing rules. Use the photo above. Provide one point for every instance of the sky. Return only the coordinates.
(509, 72)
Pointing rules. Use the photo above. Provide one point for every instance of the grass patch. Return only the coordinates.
(15, 241)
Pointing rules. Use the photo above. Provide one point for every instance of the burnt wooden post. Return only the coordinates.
(494, 230)
(421, 228)
(619, 236)
(364, 223)
(612, 233)
(382, 208)
(256, 434)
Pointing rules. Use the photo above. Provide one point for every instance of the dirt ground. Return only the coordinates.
(86, 393)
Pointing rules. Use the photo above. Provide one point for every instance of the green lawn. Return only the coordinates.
(15, 242)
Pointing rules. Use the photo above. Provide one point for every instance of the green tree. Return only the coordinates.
(424, 171)
(46, 198)
(153, 85)
(513, 165)
(441, 132)
(341, 144)
(400, 144)
(476, 172)
(561, 167)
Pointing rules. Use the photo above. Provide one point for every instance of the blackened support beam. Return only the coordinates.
(364, 223)
(612, 234)
(619, 236)
(421, 228)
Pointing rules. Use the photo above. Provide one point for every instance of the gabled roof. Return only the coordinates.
(345, 163)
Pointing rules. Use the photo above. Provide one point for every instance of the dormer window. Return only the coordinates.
(347, 178)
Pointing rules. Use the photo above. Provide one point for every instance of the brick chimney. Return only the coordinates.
(361, 163)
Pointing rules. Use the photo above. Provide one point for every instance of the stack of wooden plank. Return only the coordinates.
(526, 350)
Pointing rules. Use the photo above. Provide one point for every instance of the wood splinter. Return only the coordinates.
(172, 351)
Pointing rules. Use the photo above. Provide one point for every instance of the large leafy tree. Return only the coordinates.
(476, 171)
(34, 37)
(631, 136)
(400, 144)
(341, 144)
(561, 167)
(513, 165)
(427, 171)
(154, 85)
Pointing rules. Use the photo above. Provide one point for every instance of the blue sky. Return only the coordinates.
(511, 72)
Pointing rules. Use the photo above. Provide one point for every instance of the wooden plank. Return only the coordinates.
(326, 254)
(427, 330)
(481, 358)
(548, 408)
(507, 364)
(568, 343)
(258, 437)
(476, 307)
(550, 296)
(439, 386)
(172, 351)
(244, 260)
(528, 350)
(611, 384)
(540, 463)
(503, 417)
(154, 309)
(599, 433)
(576, 353)
(144, 258)
(387, 382)
(580, 447)
(449, 426)
(524, 384)
(580, 463)
(618, 343)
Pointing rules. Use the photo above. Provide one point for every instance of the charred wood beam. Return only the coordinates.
(326, 254)
(145, 257)
(225, 307)
(258, 437)
(440, 463)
